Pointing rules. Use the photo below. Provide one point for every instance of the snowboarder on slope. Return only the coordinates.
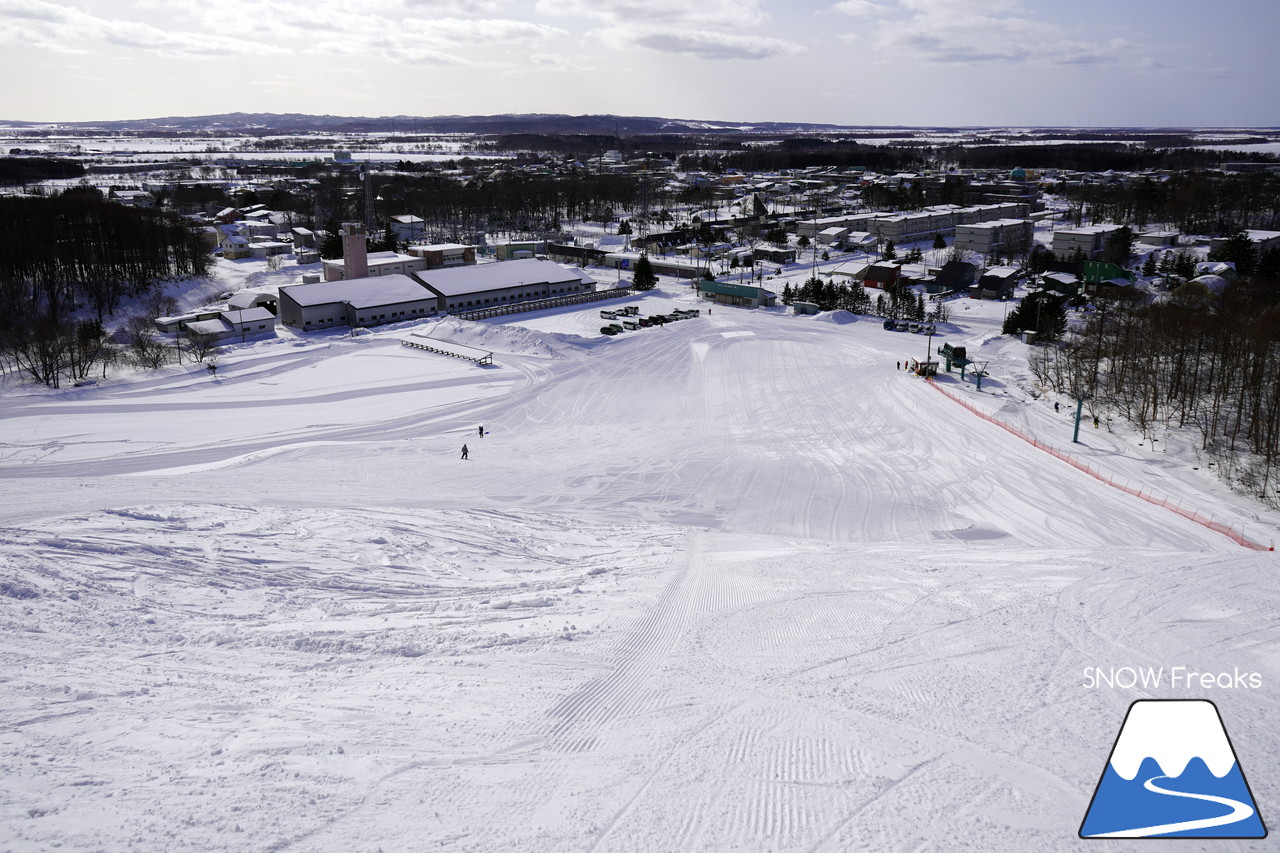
(482, 431)
(1055, 407)
(464, 451)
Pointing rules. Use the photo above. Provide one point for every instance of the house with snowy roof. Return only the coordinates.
(408, 227)
(234, 246)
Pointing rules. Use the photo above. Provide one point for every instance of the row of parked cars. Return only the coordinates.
(910, 326)
(641, 322)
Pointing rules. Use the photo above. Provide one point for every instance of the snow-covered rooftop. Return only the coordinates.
(360, 292)
(498, 276)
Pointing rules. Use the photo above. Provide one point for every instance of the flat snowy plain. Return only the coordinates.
(731, 584)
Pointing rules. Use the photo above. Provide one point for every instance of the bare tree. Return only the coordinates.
(200, 344)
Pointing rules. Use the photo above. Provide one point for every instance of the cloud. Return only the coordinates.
(420, 54)
(460, 31)
(973, 32)
(555, 62)
(464, 8)
(140, 36)
(723, 14)
(48, 26)
(35, 10)
(861, 9)
(699, 43)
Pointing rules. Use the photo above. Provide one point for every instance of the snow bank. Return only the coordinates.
(515, 340)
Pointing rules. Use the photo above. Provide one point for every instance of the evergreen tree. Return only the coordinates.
(1149, 266)
(624, 228)
(1038, 261)
(1238, 250)
(1184, 265)
(1119, 246)
(331, 246)
(939, 242)
(644, 278)
(788, 295)
(1041, 312)
(890, 251)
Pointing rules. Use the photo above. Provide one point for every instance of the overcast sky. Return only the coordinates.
(862, 62)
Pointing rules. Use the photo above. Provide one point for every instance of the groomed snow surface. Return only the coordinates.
(735, 583)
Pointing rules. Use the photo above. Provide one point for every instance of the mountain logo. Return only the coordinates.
(1172, 774)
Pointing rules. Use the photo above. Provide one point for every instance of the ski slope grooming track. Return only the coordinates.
(730, 584)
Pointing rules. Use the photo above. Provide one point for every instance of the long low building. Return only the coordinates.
(1089, 241)
(397, 297)
(355, 302)
(999, 236)
(378, 263)
(503, 283)
(741, 295)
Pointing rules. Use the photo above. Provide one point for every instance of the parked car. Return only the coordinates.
(616, 327)
(890, 325)
(608, 330)
(644, 322)
(630, 325)
(608, 315)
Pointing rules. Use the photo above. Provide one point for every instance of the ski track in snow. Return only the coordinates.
(731, 584)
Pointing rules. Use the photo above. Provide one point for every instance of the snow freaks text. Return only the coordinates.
(1155, 678)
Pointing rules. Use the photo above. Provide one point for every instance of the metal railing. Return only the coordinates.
(540, 304)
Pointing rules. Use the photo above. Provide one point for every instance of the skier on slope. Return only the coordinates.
(482, 430)
(464, 451)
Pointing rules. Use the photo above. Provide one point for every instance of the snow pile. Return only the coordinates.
(510, 339)
(840, 318)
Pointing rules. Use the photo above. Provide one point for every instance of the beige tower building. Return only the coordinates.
(355, 251)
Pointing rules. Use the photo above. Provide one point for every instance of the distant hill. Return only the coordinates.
(257, 123)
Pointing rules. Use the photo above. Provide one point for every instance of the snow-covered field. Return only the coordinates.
(732, 584)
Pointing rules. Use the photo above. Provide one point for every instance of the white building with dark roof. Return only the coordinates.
(486, 285)
(397, 297)
(355, 302)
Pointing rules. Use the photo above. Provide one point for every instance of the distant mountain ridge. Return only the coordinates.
(507, 123)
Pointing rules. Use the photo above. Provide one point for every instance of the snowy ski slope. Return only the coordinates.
(731, 584)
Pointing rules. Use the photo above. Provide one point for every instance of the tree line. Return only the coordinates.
(1193, 202)
(68, 263)
(25, 170)
(1199, 359)
(1092, 157)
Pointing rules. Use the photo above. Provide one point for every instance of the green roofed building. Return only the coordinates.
(743, 295)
